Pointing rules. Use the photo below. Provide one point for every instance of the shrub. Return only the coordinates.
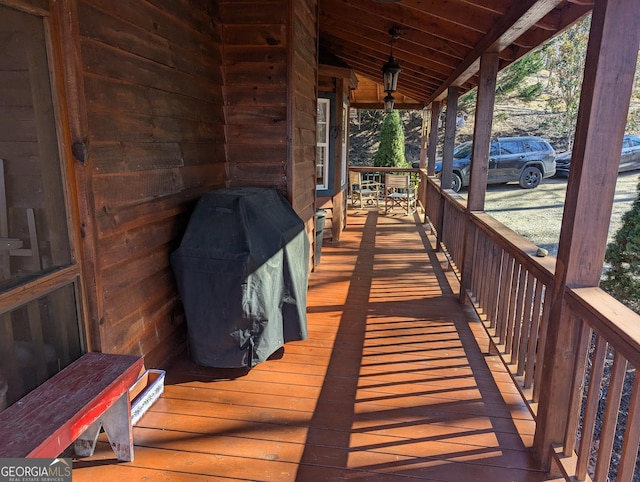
(622, 279)
(391, 150)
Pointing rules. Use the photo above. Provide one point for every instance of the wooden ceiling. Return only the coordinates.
(440, 41)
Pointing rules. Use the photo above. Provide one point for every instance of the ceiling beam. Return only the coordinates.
(523, 15)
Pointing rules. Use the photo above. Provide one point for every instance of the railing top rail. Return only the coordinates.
(383, 169)
(521, 248)
(616, 323)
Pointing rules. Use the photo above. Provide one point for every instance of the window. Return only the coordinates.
(322, 144)
(345, 134)
(510, 147)
(40, 331)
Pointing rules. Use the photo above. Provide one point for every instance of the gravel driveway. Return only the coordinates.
(536, 213)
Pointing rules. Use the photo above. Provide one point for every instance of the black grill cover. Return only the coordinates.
(242, 273)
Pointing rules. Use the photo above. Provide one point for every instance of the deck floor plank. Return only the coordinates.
(394, 383)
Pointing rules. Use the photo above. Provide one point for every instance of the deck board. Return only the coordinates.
(394, 383)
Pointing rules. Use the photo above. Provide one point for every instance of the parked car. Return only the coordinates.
(629, 158)
(526, 160)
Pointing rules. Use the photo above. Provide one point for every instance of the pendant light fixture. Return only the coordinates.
(388, 103)
(391, 69)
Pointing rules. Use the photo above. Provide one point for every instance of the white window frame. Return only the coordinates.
(345, 133)
(326, 105)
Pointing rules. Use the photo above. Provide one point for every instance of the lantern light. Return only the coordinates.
(391, 69)
(388, 103)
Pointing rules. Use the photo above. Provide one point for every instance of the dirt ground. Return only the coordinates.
(536, 213)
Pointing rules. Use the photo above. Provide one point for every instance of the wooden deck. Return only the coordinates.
(394, 383)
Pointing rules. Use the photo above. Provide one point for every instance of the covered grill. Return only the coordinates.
(242, 271)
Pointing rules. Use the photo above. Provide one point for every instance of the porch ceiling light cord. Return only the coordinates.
(390, 72)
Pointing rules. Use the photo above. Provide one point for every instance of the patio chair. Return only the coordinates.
(363, 191)
(399, 192)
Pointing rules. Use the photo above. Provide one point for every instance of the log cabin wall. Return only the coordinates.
(303, 79)
(270, 72)
(166, 100)
(175, 98)
(150, 114)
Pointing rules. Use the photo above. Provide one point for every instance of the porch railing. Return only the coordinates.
(510, 289)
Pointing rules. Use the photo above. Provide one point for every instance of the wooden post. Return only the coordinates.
(610, 67)
(447, 154)
(479, 158)
(449, 137)
(432, 145)
(424, 136)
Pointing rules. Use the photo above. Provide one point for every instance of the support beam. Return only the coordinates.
(610, 66)
(449, 137)
(446, 174)
(479, 159)
(432, 146)
(522, 16)
(424, 136)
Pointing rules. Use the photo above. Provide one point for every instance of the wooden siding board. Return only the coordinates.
(253, 136)
(106, 61)
(240, 153)
(123, 98)
(244, 13)
(252, 73)
(262, 174)
(243, 114)
(123, 247)
(36, 7)
(141, 128)
(147, 330)
(256, 35)
(255, 94)
(110, 220)
(100, 26)
(212, 176)
(195, 154)
(121, 277)
(159, 285)
(152, 156)
(269, 54)
(167, 24)
(106, 157)
(136, 187)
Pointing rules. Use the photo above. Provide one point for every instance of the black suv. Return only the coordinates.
(526, 160)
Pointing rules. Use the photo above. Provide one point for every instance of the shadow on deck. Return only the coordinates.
(395, 382)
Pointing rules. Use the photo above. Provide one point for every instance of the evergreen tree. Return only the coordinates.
(567, 53)
(513, 79)
(391, 150)
(622, 280)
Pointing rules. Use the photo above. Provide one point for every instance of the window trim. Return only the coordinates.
(326, 144)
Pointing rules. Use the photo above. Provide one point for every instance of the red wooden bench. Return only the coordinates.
(71, 406)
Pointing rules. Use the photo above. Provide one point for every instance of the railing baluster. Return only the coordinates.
(542, 343)
(505, 302)
(532, 341)
(610, 420)
(591, 407)
(577, 388)
(517, 319)
(495, 285)
(632, 436)
(526, 324)
(511, 314)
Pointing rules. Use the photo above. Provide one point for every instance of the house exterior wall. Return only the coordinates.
(151, 117)
(270, 72)
(172, 99)
(165, 100)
